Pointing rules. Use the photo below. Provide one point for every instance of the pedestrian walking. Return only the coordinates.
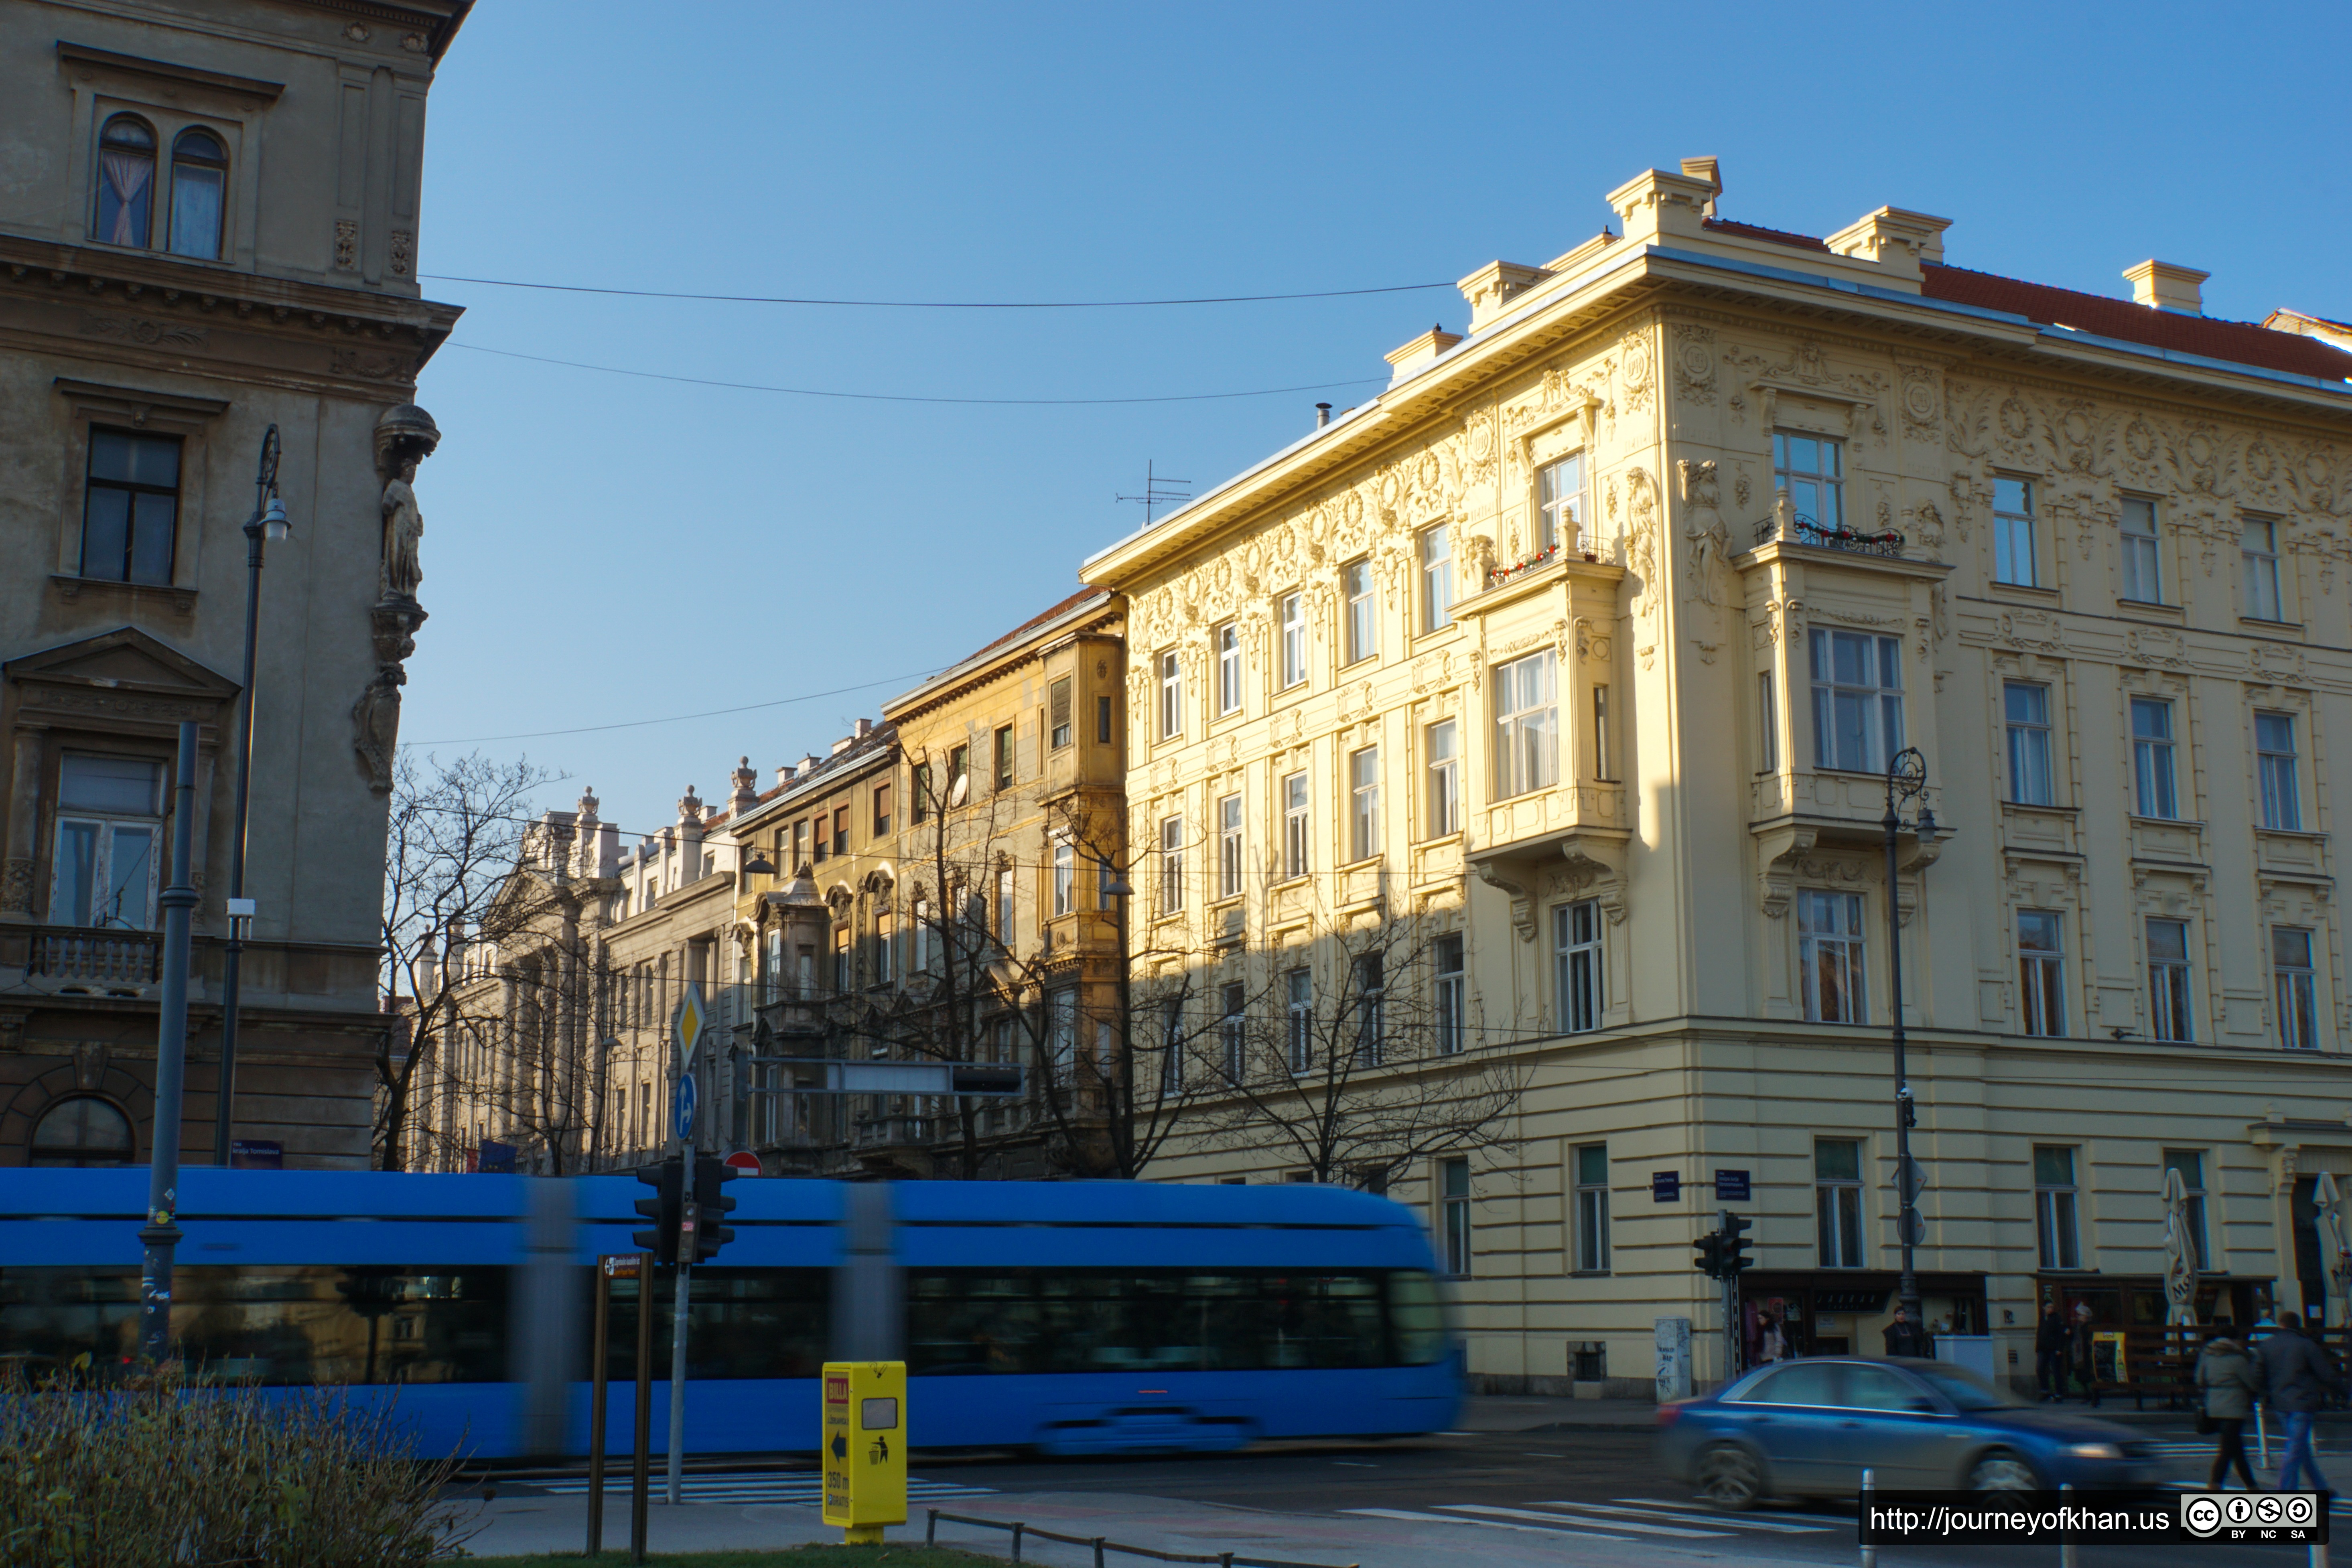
(2080, 1345)
(1772, 1336)
(2050, 1352)
(2230, 1380)
(1903, 1336)
(2298, 1377)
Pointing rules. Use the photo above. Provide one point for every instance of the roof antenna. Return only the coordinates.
(1156, 492)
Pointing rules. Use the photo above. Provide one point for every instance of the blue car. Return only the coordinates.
(1808, 1429)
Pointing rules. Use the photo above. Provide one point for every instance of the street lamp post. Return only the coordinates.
(1906, 781)
(266, 524)
(1119, 888)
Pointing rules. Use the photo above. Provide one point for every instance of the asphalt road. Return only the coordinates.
(1571, 1485)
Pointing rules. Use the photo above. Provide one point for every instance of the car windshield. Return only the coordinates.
(1964, 1389)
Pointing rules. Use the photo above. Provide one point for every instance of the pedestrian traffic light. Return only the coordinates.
(710, 1173)
(666, 1208)
(1709, 1260)
(1736, 1256)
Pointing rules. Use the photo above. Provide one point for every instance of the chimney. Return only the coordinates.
(808, 765)
(864, 727)
(784, 775)
(2161, 286)
(1711, 170)
(1421, 350)
(1322, 414)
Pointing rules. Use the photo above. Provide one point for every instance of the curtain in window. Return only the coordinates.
(127, 176)
(195, 211)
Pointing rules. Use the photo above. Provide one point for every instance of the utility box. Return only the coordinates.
(864, 1438)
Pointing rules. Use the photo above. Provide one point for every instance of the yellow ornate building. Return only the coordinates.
(1587, 642)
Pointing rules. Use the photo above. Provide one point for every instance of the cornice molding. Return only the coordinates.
(73, 54)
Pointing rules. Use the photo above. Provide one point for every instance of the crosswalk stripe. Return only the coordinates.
(1640, 1527)
(1554, 1531)
(1726, 1520)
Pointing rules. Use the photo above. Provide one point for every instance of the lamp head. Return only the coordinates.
(758, 865)
(1927, 826)
(1117, 887)
(274, 526)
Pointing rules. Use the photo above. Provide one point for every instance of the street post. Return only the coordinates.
(161, 1233)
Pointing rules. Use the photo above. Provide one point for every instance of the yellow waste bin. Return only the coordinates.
(865, 1439)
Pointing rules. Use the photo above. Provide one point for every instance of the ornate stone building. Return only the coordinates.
(213, 233)
(1587, 644)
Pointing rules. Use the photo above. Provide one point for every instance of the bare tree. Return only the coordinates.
(1352, 1061)
(456, 835)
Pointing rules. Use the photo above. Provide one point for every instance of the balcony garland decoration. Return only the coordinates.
(1502, 574)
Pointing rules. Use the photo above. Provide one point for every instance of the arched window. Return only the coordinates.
(83, 1131)
(199, 179)
(126, 180)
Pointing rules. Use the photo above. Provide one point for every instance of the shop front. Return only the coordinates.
(1846, 1311)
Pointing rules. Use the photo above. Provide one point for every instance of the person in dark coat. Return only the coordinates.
(2050, 1352)
(2298, 1378)
(2079, 1345)
(2230, 1380)
(1903, 1336)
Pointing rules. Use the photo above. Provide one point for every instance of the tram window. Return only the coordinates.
(1040, 1321)
(745, 1323)
(1416, 1318)
(274, 1325)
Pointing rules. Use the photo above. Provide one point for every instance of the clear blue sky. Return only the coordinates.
(601, 549)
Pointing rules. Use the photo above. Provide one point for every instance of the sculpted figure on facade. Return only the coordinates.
(1703, 536)
(404, 436)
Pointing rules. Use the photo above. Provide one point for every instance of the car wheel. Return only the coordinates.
(1730, 1478)
(2000, 1471)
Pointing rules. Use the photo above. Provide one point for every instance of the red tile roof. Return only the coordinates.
(1033, 622)
(2240, 343)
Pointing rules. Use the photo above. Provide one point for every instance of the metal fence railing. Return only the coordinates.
(1102, 1544)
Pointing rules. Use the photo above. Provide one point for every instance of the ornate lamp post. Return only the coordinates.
(1906, 781)
(267, 523)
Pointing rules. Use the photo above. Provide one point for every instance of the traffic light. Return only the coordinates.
(1736, 1256)
(1709, 1260)
(710, 1172)
(666, 1208)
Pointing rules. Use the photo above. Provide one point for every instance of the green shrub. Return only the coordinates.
(153, 1471)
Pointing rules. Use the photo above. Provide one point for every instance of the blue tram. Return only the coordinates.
(1070, 1317)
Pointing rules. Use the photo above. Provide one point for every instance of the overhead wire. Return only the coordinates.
(679, 718)
(931, 304)
(909, 397)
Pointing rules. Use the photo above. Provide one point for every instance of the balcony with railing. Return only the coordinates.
(1798, 528)
(88, 959)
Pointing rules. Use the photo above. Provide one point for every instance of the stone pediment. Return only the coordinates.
(124, 676)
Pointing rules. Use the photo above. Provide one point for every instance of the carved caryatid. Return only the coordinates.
(404, 436)
(376, 725)
(1703, 536)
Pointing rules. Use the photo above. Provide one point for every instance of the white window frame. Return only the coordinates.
(1229, 847)
(1232, 1030)
(1293, 639)
(1298, 1018)
(1839, 1238)
(1578, 986)
(2279, 771)
(2257, 551)
(1369, 974)
(1526, 724)
(1229, 668)
(2294, 987)
(2155, 774)
(1832, 938)
(1442, 747)
(2191, 1163)
(1298, 821)
(2171, 995)
(1592, 1208)
(1455, 1221)
(1434, 550)
(2031, 782)
(1360, 602)
(2015, 533)
(2142, 552)
(1450, 994)
(1065, 876)
(1823, 484)
(1559, 505)
(1172, 865)
(1363, 804)
(2042, 973)
(108, 829)
(2057, 1210)
(1171, 694)
(1878, 703)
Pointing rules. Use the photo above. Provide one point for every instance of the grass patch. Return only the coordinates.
(893, 1555)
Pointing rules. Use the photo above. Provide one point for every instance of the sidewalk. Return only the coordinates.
(541, 1524)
